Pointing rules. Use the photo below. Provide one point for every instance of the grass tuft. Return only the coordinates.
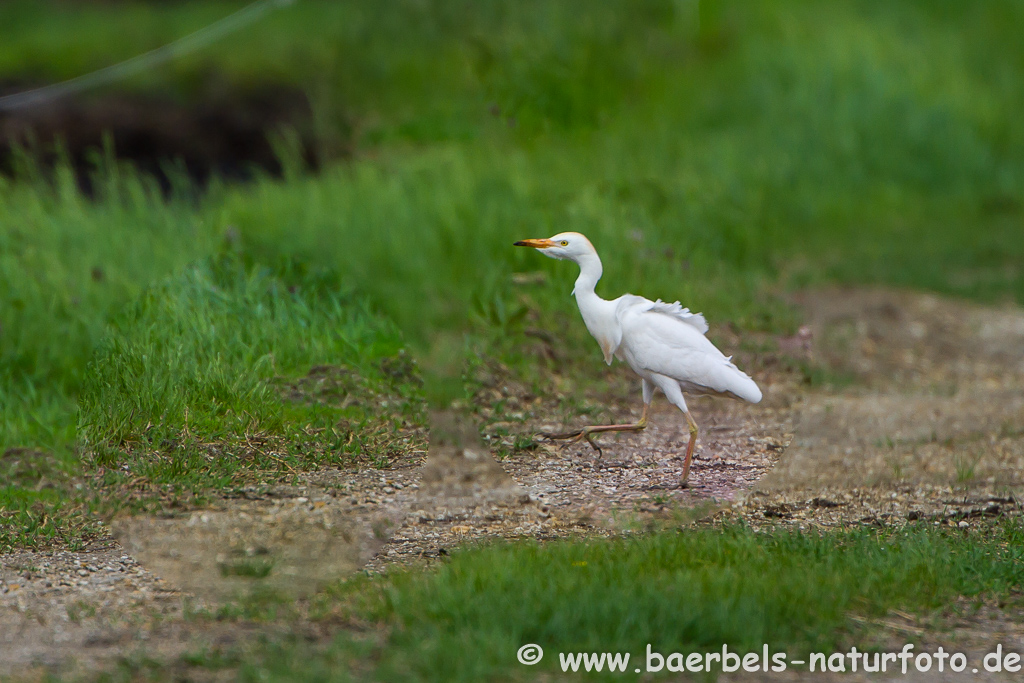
(227, 369)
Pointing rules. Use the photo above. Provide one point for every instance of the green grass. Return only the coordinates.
(226, 368)
(679, 592)
(410, 71)
(771, 147)
(212, 341)
(223, 375)
(67, 266)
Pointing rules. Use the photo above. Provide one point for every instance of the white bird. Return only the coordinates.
(663, 343)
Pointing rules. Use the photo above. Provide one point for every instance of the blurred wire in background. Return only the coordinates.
(148, 60)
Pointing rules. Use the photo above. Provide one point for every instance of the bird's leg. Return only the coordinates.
(689, 449)
(585, 432)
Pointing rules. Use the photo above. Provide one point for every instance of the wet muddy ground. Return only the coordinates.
(220, 131)
(924, 420)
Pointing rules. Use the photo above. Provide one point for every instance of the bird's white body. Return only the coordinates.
(663, 343)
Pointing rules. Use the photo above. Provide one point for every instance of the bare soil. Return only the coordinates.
(923, 419)
(932, 424)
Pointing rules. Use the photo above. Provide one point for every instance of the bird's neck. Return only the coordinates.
(596, 311)
(590, 273)
(598, 314)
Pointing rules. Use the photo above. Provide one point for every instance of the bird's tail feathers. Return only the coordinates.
(744, 388)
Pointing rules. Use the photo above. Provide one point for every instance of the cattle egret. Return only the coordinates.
(663, 343)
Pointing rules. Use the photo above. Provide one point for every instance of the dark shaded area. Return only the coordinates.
(227, 134)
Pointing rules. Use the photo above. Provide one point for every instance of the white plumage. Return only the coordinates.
(663, 343)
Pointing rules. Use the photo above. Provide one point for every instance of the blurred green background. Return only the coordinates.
(275, 239)
(721, 153)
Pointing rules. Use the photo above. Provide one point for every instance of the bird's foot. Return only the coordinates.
(673, 486)
(573, 437)
(663, 487)
(588, 432)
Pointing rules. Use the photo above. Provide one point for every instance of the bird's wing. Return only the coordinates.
(677, 311)
(676, 347)
(631, 303)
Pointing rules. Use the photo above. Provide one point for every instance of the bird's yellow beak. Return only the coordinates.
(536, 244)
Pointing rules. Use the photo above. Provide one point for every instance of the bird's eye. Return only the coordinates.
(565, 243)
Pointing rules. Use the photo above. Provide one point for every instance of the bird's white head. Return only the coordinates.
(565, 245)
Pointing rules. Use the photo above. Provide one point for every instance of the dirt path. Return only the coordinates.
(931, 425)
